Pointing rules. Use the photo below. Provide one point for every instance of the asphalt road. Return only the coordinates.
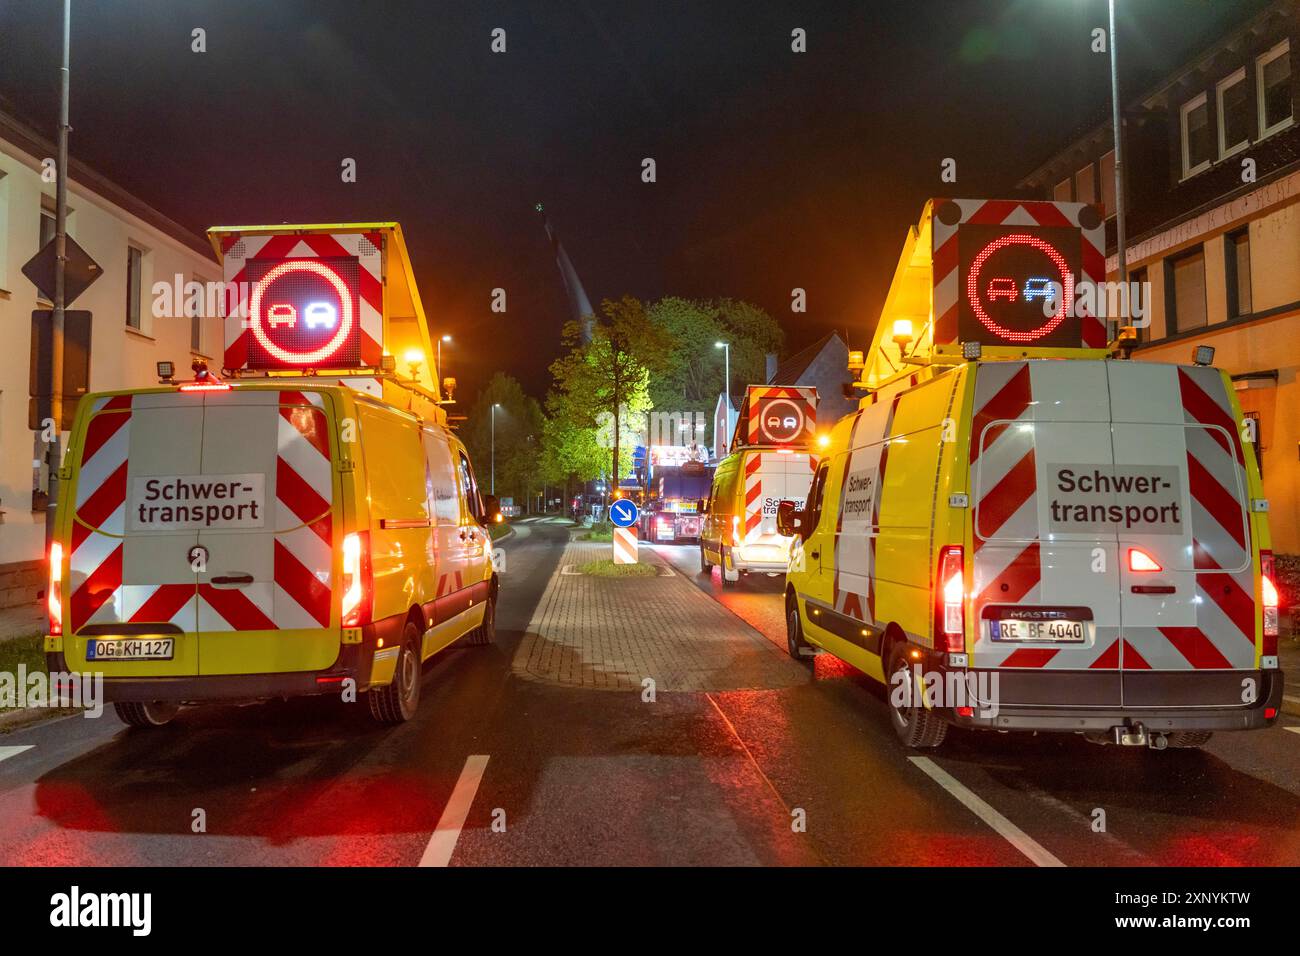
(500, 770)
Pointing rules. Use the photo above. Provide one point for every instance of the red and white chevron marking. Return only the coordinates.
(753, 492)
(1007, 212)
(367, 248)
(757, 396)
(625, 545)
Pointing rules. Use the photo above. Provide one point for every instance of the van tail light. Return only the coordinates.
(1139, 560)
(950, 600)
(54, 596)
(358, 590)
(735, 531)
(1268, 586)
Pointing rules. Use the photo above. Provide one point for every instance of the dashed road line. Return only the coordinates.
(446, 834)
(1017, 837)
(14, 751)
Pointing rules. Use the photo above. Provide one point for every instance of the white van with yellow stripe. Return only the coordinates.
(220, 541)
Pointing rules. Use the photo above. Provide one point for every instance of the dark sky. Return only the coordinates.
(775, 169)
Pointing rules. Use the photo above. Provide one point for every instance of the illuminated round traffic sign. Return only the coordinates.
(781, 420)
(263, 322)
(624, 513)
(982, 292)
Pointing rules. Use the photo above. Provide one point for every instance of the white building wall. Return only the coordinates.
(120, 357)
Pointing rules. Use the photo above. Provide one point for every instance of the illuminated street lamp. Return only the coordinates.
(445, 338)
(726, 385)
(495, 406)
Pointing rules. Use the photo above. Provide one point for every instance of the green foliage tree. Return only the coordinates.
(520, 431)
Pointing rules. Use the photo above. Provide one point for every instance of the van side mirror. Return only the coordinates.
(789, 521)
(491, 510)
(702, 506)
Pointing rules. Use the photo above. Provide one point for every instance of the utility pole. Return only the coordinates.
(54, 456)
(1116, 119)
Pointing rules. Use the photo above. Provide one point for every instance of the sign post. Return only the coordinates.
(624, 514)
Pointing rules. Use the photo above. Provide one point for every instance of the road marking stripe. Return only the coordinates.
(1291, 700)
(1017, 837)
(447, 833)
(1294, 730)
(7, 752)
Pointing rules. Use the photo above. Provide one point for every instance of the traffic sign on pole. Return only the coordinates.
(79, 271)
(624, 513)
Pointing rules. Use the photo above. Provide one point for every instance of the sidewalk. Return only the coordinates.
(611, 634)
(23, 621)
(1288, 658)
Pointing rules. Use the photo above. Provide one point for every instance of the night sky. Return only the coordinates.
(775, 169)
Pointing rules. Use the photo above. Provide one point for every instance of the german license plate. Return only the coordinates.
(131, 649)
(1061, 632)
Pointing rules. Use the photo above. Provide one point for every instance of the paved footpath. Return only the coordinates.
(611, 633)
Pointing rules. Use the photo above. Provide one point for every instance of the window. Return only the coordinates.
(815, 496)
(134, 268)
(1108, 184)
(1236, 265)
(1140, 299)
(1185, 291)
(48, 227)
(1196, 135)
(1273, 82)
(469, 490)
(1234, 113)
(1061, 191)
(1085, 185)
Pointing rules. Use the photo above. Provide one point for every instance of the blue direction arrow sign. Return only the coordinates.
(623, 513)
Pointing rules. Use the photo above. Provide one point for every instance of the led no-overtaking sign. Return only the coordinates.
(1018, 285)
(302, 313)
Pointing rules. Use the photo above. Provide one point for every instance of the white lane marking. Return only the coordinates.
(447, 832)
(1294, 730)
(7, 752)
(1017, 837)
(1291, 700)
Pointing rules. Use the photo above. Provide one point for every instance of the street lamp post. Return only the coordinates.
(445, 338)
(726, 388)
(54, 451)
(1121, 258)
(493, 479)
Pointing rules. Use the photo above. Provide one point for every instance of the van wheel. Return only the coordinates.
(730, 578)
(916, 725)
(152, 713)
(486, 633)
(1189, 738)
(398, 701)
(795, 645)
(705, 566)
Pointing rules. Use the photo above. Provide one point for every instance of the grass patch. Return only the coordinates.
(19, 651)
(606, 568)
(601, 531)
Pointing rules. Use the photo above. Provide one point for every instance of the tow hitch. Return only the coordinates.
(1137, 736)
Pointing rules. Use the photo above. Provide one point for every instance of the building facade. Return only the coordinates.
(136, 247)
(1212, 170)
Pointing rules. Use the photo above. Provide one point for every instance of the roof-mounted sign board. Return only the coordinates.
(1009, 273)
(783, 415)
(301, 300)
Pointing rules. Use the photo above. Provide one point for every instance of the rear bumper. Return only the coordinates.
(354, 662)
(1078, 718)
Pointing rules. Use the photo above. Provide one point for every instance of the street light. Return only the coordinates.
(495, 406)
(445, 338)
(1120, 257)
(726, 387)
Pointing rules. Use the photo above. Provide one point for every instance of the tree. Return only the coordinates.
(752, 334)
(519, 437)
(691, 378)
(603, 382)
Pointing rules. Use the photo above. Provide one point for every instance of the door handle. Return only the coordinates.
(237, 580)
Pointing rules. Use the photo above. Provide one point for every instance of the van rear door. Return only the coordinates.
(1046, 586)
(130, 575)
(266, 467)
(770, 478)
(1189, 628)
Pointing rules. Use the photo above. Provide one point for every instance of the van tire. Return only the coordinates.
(734, 578)
(917, 726)
(795, 645)
(397, 701)
(1189, 739)
(151, 713)
(486, 633)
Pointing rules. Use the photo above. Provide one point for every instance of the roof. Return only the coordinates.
(27, 139)
(789, 371)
